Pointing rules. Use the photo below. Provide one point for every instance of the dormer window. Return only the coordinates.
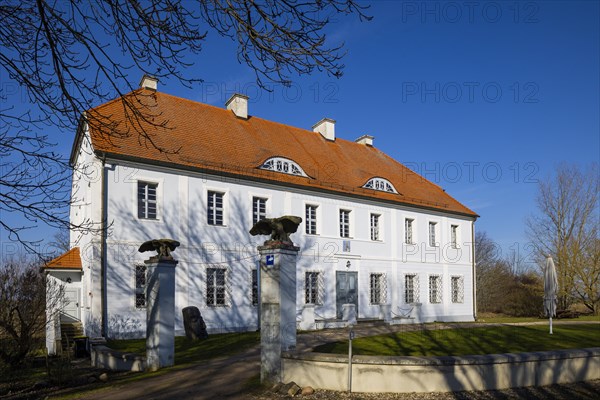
(380, 184)
(283, 165)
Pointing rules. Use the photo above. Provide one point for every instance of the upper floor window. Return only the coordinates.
(344, 223)
(375, 226)
(280, 164)
(259, 209)
(215, 208)
(408, 231)
(454, 236)
(146, 196)
(380, 184)
(311, 219)
(432, 238)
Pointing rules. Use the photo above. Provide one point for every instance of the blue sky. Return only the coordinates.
(483, 98)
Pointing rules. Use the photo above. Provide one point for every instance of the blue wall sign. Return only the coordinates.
(270, 259)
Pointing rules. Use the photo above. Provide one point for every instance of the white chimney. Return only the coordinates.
(149, 82)
(365, 139)
(325, 127)
(238, 103)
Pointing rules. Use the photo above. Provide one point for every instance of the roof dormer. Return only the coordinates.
(380, 184)
(283, 165)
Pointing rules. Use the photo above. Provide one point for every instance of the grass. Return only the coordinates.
(506, 319)
(188, 351)
(466, 341)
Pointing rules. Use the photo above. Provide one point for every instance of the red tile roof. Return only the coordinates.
(69, 260)
(191, 135)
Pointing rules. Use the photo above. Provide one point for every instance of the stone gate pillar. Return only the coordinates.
(160, 309)
(277, 306)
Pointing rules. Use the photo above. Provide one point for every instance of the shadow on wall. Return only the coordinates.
(203, 247)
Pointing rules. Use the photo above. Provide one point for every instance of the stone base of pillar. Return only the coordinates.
(160, 309)
(277, 306)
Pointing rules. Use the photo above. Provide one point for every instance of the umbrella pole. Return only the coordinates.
(551, 325)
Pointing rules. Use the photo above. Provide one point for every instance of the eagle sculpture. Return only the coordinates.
(163, 248)
(279, 228)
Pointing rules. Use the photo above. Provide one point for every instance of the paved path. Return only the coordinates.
(226, 378)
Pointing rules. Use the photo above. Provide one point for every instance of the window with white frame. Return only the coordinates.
(378, 288)
(454, 236)
(216, 290)
(432, 238)
(344, 223)
(411, 288)
(146, 197)
(254, 286)
(311, 219)
(408, 231)
(435, 289)
(283, 165)
(375, 227)
(259, 209)
(313, 287)
(457, 287)
(140, 286)
(215, 208)
(380, 184)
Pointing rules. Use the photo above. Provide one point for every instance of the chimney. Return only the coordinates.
(238, 103)
(365, 139)
(325, 127)
(149, 82)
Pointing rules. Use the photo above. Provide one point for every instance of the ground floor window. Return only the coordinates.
(313, 287)
(411, 288)
(254, 285)
(140, 286)
(435, 289)
(378, 289)
(215, 286)
(457, 287)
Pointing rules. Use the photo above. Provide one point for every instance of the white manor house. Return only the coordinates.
(374, 233)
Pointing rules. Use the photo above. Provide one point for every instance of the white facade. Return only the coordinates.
(182, 215)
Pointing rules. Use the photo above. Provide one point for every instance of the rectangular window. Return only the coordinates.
(408, 231)
(435, 289)
(454, 236)
(432, 241)
(146, 196)
(378, 288)
(215, 208)
(374, 226)
(254, 284)
(411, 288)
(215, 286)
(259, 209)
(458, 289)
(311, 219)
(311, 288)
(140, 286)
(345, 223)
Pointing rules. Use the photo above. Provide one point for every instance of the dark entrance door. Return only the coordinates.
(346, 290)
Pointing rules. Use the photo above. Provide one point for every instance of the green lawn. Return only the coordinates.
(464, 341)
(187, 351)
(506, 319)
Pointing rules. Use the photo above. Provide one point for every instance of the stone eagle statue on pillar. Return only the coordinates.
(163, 248)
(279, 228)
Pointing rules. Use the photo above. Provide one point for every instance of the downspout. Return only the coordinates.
(474, 271)
(103, 251)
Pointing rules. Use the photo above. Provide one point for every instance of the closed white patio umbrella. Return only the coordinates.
(550, 289)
